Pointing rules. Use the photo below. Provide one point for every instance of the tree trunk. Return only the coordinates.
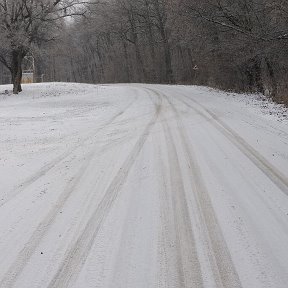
(190, 66)
(258, 75)
(141, 71)
(151, 40)
(271, 74)
(127, 66)
(16, 70)
(167, 49)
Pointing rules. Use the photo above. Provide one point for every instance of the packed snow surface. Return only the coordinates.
(139, 186)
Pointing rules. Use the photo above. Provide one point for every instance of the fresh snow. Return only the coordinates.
(130, 186)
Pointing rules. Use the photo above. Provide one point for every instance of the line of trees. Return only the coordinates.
(238, 45)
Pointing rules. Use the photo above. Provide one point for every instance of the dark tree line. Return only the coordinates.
(237, 45)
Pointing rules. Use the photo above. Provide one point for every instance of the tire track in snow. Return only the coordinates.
(224, 272)
(10, 277)
(276, 176)
(46, 168)
(78, 253)
(187, 270)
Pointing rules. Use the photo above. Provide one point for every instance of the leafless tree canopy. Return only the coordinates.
(28, 23)
(238, 45)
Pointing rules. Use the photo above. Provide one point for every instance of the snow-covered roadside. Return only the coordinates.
(45, 122)
(257, 103)
(249, 116)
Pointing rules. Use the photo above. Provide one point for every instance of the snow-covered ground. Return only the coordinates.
(139, 186)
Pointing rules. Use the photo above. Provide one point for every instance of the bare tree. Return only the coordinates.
(26, 23)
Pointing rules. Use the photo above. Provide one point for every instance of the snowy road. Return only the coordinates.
(130, 186)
